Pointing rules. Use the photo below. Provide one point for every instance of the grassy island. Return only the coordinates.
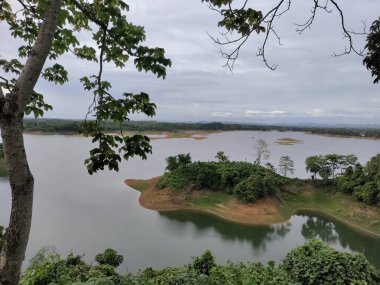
(297, 197)
(250, 194)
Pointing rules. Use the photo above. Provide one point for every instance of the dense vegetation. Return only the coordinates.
(247, 181)
(74, 126)
(251, 181)
(363, 183)
(312, 263)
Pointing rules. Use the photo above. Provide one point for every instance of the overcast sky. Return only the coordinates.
(309, 85)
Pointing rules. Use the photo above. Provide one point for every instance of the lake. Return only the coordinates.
(85, 214)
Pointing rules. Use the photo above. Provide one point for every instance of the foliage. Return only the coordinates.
(316, 263)
(362, 182)
(179, 161)
(312, 263)
(286, 165)
(114, 41)
(47, 254)
(247, 181)
(250, 273)
(257, 186)
(221, 157)
(326, 165)
(204, 263)
(372, 58)
(367, 193)
(109, 257)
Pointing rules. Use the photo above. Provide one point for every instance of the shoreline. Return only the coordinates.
(269, 211)
(202, 134)
(155, 135)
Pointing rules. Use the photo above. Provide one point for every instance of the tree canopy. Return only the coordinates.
(46, 30)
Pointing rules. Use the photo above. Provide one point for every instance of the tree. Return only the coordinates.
(372, 58)
(242, 20)
(262, 151)
(221, 157)
(286, 165)
(178, 161)
(47, 30)
(110, 257)
(314, 165)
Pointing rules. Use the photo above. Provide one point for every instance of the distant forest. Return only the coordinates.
(75, 126)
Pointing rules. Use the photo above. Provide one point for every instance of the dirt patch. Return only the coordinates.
(196, 135)
(264, 211)
(287, 141)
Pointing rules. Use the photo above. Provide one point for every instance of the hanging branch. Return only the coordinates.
(245, 20)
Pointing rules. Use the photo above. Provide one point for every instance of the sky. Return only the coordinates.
(309, 85)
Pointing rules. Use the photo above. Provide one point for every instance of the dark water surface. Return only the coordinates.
(86, 214)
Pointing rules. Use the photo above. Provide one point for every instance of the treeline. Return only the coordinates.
(247, 181)
(312, 263)
(350, 177)
(75, 126)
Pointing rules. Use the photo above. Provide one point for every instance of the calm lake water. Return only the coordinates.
(86, 214)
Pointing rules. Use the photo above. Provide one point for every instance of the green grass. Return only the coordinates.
(335, 204)
(209, 200)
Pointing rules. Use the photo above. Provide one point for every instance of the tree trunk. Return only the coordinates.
(12, 107)
(21, 181)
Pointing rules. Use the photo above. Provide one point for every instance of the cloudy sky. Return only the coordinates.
(309, 85)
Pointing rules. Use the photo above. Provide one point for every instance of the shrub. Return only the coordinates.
(368, 193)
(317, 263)
(257, 186)
(109, 257)
(204, 263)
(174, 180)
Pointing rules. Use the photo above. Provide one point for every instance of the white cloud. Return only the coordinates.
(221, 114)
(309, 84)
(315, 112)
(252, 113)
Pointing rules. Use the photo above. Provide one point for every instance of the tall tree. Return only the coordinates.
(48, 29)
(286, 165)
(262, 151)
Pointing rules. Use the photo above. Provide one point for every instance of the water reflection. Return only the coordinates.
(333, 232)
(309, 225)
(257, 236)
(316, 228)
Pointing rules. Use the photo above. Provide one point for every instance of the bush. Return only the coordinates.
(251, 273)
(368, 193)
(204, 263)
(346, 184)
(312, 263)
(109, 257)
(257, 186)
(317, 263)
(174, 180)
